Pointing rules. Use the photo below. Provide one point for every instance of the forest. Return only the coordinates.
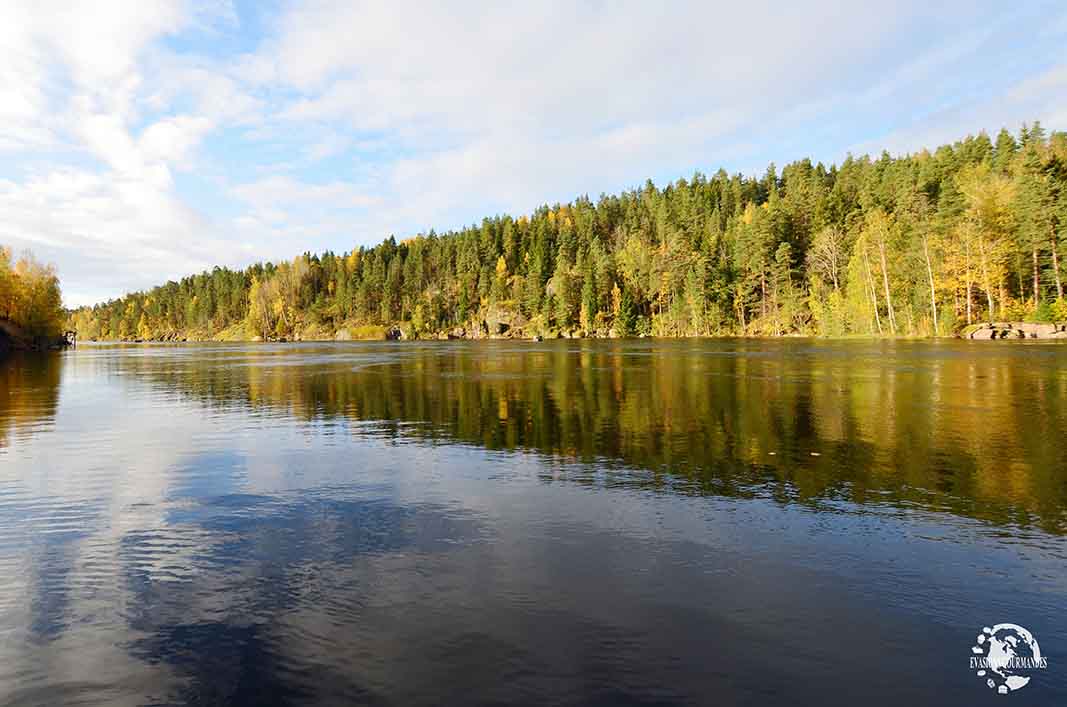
(31, 306)
(919, 245)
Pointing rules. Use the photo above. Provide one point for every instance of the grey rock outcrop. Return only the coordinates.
(1017, 330)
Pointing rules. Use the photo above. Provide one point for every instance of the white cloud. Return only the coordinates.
(74, 86)
(512, 105)
(109, 227)
(213, 91)
(534, 65)
(286, 190)
(1038, 97)
(172, 139)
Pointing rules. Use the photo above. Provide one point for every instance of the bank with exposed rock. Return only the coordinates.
(1015, 330)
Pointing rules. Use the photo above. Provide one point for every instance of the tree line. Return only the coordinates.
(29, 296)
(914, 245)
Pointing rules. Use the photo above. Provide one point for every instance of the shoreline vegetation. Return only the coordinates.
(31, 306)
(935, 243)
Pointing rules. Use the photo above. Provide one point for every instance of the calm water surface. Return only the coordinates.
(693, 522)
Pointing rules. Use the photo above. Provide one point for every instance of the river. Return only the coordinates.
(575, 522)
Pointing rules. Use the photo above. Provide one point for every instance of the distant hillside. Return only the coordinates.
(917, 245)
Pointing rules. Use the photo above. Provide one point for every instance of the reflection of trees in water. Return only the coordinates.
(971, 434)
(29, 392)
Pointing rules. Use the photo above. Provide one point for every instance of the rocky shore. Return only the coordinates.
(1016, 330)
(14, 338)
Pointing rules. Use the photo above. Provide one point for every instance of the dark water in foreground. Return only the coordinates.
(558, 523)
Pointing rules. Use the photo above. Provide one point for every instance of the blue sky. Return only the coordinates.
(141, 142)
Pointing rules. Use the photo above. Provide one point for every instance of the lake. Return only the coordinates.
(575, 522)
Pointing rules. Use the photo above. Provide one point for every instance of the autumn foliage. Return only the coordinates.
(912, 245)
(30, 296)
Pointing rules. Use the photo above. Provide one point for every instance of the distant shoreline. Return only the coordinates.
(746, 337)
